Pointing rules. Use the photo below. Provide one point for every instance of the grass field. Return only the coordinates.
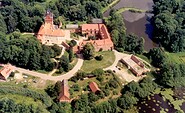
(121, 10)
(108, 59)
(178, 58)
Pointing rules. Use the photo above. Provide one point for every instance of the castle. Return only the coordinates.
(52, 34)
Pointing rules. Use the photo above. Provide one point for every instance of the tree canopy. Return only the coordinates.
(169, 24)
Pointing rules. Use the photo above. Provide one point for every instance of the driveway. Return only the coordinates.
(124, 72)
(53, 78)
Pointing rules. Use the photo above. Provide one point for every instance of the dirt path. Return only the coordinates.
(57, 62)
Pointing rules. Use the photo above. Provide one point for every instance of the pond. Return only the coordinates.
(140, 4)
(138, 23)
(157, 103)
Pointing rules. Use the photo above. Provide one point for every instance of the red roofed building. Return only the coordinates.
(64, 95)
(135, 65)
(50, 33)
(103, 40)
(6, 71)
(94, 87)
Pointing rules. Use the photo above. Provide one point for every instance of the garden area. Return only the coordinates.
(108, 59)
(110, 85)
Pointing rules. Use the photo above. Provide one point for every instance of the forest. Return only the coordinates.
(169, 24)
(17, 16)
(27, 15)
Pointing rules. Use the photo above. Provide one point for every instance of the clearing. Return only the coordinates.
(108, 59)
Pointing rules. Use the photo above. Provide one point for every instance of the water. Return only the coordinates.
(141, 27)
(155, 104)
(138, 23)
(140, 4)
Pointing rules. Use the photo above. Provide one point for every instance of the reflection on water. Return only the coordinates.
(142, 27)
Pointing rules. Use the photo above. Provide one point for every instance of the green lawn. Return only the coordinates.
(108, 59)
(121, 10)
(26, 35)
(178, 58)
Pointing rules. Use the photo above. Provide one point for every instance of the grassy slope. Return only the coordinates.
(108, 59)
(121, 10)
(179, 58)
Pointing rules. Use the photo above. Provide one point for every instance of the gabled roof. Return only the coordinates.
(49, 30)
(64, 95)
(91, 27)
(94, 87)
(6, 71)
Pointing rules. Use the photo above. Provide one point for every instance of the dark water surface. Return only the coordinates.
(137, 23)
(142, 28)
(155, 104)
(140, 4)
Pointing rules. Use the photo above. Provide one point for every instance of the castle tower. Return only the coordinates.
(48, 17)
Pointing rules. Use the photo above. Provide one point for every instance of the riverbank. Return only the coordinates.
(110, 6)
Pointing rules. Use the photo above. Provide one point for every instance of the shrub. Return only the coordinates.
(106, 92)
(76, 87)
(113, 83)
(99, 58)
(101, 95)
(61, 70)
(97, 72)
(101, 49)
(100, 78)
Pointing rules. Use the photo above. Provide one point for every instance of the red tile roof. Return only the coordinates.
(104, 40)
(64, 95)
(94, 87)
(49, 29)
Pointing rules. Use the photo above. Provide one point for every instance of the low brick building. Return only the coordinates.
(135, 65)
(64, 95)
(94, 87)
(6, 71)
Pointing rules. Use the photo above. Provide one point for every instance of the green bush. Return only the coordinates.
(99, 58)
(76, 87)
(97, 72)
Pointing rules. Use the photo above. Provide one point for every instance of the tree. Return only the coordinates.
(71, 55)
(88, 51)
(134, 44)
(157, 57)
(64, 63)
(126, 101)
(117, 30)
(98, 71)
(172, 75)
(72, 43)
(57, 50)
